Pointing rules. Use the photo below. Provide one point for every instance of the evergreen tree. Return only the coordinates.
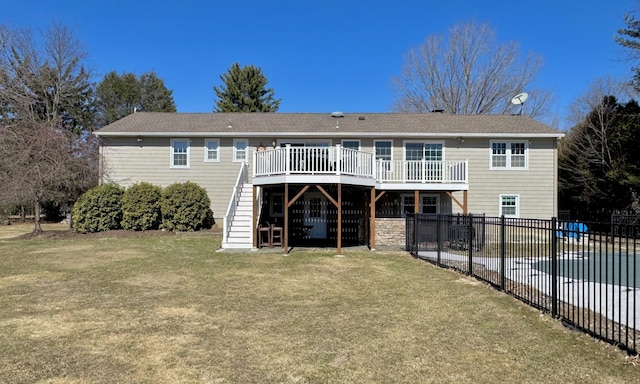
(245, 90)
(629, 37)
(43, 80)
(154, 95)
(119, 95)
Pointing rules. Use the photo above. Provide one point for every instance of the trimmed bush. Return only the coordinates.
(99, 209)
(141, 207)
(185, 207)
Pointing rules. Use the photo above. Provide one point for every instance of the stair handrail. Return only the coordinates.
(243, 177)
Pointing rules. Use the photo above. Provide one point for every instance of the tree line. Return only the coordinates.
(599, 159)
(49, 106)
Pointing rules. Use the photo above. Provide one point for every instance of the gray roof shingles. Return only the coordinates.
(149, 123)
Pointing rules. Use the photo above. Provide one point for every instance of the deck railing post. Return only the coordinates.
(255, 161)
(466, 171)
(287, 159)
(338, 160)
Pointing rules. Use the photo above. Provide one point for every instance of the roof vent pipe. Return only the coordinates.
(337, 115)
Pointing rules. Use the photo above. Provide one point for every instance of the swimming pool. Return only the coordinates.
(613, 268)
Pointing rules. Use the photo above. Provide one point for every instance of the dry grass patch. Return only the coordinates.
(170, 309)
(20, 229)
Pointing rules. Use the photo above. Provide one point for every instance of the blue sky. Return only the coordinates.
(324, 56)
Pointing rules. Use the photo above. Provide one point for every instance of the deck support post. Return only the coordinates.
(372, 220)
(254, 221)
(416, 201)
(286, 218)
(465, 208)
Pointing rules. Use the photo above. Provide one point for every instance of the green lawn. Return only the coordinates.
(170, 309)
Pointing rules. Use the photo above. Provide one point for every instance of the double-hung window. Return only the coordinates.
(423, 161)
(509, 155)
(212, 150)
(240, 150)
(351, 144)
(509, 205)
(179, 153)
(428, 203)
(383, 149)
(384, 154)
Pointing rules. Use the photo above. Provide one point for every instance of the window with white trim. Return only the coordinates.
(416, 153)
(240, 150)
(179, 153)
(510, 205)
(383, 149)
(423, 151)
(351, 144)
(509, 155)
(384, 152)
(212, 150)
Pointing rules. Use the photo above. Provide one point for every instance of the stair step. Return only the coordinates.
(239, 235)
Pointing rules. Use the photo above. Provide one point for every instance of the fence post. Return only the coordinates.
(470, 243)
(554, 267)
(438, 237)
(503, 250)
(417, 233)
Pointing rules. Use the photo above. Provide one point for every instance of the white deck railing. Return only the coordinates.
(344, 161)
(406, 171)
(313, 161)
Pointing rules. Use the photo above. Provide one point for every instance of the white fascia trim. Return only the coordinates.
(386, 135)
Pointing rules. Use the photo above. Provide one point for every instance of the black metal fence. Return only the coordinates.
(579, 272)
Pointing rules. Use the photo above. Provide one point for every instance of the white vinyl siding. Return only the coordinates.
(179, 153)
(129, 164)
(509, 155)
(535, 186)
(212, 150)
(240, 150)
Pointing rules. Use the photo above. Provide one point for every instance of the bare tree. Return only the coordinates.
(45, 113)
(468, 73)
(598, 159)
(46, 164)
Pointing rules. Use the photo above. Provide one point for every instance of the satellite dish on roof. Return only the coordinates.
(520, 98)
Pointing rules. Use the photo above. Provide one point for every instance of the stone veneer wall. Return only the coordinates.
(390, 231)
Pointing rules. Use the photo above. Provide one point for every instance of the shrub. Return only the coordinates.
(98, 209)
(185, 207)
(141, 207)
